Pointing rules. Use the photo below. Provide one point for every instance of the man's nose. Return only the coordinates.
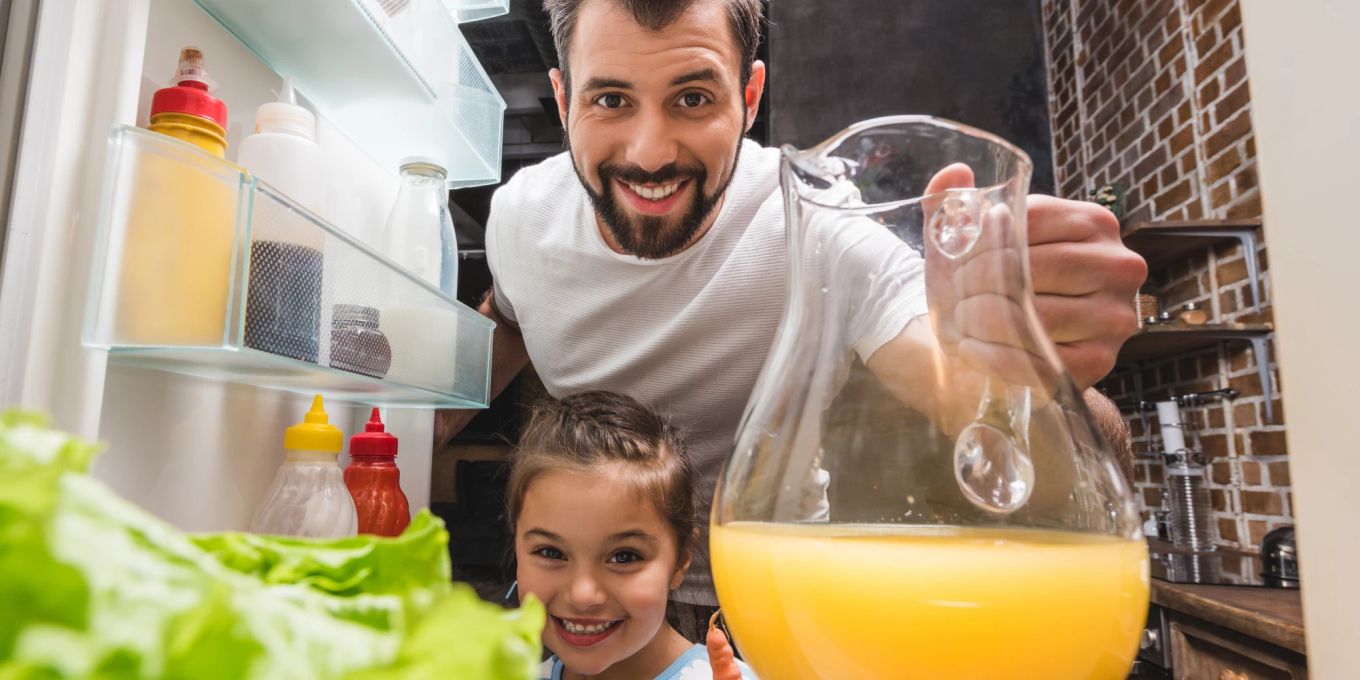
(653, 145)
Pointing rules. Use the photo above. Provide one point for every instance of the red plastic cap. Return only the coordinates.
(188, 91)
(191, 100)
(374, 440)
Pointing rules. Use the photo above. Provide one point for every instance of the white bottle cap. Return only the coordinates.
(285, 115)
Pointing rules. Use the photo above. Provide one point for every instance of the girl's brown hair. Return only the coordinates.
(592, 429)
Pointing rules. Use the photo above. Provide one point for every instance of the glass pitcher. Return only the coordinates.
(917, 489)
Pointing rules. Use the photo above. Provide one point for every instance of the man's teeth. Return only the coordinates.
(575, 629)
(654, 193)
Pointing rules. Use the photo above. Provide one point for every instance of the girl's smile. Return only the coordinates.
(584, 632)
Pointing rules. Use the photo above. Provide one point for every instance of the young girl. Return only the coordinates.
(601, 502)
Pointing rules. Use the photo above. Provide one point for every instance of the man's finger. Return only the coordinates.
(1053, 220)
(1066, 268)
(999, 271)
(1087, 362)
(995, 319)
(1087, 317)
(1010, 365)
(940, 293)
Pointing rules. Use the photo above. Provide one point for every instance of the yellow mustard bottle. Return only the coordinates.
(175, 264)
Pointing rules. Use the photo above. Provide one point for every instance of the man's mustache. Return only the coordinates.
(633, 174)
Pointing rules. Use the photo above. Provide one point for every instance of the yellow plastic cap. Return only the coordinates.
(314, 433)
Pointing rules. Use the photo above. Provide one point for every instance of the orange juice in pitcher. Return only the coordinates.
(878, 601)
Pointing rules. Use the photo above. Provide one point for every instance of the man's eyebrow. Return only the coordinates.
(708, 74)
(607, 84)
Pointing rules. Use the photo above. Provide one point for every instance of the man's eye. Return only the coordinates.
(625, 557)
(550, 553)
(610, 101)
(693, 100)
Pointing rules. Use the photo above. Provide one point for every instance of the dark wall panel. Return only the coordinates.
(979, 62)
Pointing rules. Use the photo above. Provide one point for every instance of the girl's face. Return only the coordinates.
(602, 560)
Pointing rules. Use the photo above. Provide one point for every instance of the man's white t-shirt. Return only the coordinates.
(687, 334)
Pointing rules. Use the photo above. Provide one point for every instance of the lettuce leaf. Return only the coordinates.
(92, 586)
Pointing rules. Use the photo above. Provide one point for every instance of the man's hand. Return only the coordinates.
(1084, 283)
(508, 358)
(1083, 277)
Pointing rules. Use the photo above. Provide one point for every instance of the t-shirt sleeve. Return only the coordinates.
(500, 252)
(879, 280)
(875, 280)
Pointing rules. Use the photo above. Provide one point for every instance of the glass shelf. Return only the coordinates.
(262, 369)
(201, 269)
(476, 10)
(401, 85)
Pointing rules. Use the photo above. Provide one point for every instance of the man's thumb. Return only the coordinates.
(956, 176)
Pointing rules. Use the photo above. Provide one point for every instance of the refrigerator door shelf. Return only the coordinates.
(201, 269)
(475, 10)
(397, 78)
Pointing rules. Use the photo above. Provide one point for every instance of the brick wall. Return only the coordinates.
(1153, 94)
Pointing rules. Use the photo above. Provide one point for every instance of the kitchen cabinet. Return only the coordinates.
(1233, 632)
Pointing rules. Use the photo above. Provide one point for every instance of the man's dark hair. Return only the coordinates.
(654, 15)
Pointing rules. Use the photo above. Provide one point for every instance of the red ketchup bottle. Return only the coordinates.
(373, 480)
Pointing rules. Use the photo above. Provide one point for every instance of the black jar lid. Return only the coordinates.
(355, 315)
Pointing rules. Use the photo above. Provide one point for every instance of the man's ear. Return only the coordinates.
(559, 85)
(755, 88)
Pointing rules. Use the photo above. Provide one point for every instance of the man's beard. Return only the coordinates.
(650, 237)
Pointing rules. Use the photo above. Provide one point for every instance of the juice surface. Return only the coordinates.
(894, 601)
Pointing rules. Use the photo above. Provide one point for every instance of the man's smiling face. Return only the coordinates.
(655, 121)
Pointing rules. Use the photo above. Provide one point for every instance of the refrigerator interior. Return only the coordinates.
(199, 453)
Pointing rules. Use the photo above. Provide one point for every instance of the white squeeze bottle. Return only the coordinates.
(283, 152)
(308, 497)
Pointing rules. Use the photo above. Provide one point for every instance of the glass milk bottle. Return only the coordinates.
(419, 231)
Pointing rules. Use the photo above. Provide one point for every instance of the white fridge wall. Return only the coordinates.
(83, 79)
(201, 453)
(197, 453)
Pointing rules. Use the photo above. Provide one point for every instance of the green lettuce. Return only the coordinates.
(91, 586)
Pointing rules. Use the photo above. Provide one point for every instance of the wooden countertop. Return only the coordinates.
(1273, 615)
